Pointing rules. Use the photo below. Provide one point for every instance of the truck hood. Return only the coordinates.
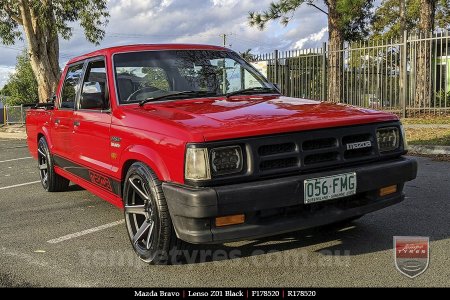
(244, 116)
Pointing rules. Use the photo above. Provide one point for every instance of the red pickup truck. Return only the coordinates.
(197, 146)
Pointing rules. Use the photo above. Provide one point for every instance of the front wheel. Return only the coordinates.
(147, 217)
(51, 181)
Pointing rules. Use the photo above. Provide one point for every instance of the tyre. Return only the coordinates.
(147, 218)
(51, 181)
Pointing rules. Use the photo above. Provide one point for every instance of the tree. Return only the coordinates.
(22, 87)
(43, 22)
(422, 17)
(347, 21)
(247, 55)
(386, 22)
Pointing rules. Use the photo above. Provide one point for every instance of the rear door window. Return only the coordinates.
(71, 87)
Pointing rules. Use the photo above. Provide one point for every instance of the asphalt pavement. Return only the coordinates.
(76, 239)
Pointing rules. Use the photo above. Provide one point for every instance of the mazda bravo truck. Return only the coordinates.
(197, 147)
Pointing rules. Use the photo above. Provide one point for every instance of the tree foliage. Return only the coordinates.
(54, 15)
(352, 15)
(247, 55)
(42, 22)
(386, 20)
(21, 87)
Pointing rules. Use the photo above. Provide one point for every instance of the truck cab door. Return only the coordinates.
(62, 116)
(92, 120)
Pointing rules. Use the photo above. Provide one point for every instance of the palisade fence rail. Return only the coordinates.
(15, 114)
(379, 74)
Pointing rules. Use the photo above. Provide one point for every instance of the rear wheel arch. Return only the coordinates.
(50, 180)
(39, 136)
(44, 132)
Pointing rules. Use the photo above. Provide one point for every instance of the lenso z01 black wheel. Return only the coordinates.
(51, 181)
(147, 217)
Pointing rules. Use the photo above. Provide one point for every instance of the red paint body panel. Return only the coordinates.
(157, 133)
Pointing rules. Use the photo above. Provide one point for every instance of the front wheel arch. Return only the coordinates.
(145, 209)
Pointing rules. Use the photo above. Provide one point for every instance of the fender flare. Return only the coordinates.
(146, 155)
(45, 132)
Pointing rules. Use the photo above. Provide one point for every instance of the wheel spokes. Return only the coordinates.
(45, 178)
(146, 225)
(149, 236)
(138, 190)
(135, 209)
(41, 152)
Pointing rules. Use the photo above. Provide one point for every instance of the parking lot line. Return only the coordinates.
(84, 232)
(14, 159)
(17, 185)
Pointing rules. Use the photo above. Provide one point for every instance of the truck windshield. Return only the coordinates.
(153, 74)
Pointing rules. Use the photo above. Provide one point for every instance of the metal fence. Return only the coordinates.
(378, 74)
(15, 114)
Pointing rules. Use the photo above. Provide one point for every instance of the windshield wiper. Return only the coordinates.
(252, 90)
(166, 96)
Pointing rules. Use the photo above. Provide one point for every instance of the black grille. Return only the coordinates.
(276, 149)
(281, 163)
(356, 138)
(310, 150)
(319, 144)
(360, 152)
(321, 158)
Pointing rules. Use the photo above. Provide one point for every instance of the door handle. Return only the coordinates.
(56, 121)
(76, 123)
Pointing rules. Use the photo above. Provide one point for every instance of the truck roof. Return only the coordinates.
(144, 47)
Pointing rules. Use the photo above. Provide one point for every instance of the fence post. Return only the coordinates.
(21, 114)
(404, 74)
(324, 71)
(276, 71)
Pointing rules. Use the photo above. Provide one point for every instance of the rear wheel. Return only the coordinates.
(51, 181)
(147, 217)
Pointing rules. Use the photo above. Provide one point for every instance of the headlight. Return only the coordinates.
(197, 164)
(226, 160)
(388, 139)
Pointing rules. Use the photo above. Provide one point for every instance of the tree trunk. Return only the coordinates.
(334, 54)
(423, 65)
(43, 47)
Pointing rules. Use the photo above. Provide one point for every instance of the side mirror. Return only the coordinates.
(92, 101)
(93, 96)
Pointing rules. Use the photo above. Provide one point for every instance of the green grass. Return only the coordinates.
(428, 136)
(426, 120)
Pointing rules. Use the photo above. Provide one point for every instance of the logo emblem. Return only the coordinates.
(411, 254)
(100, 180)
(359, 145)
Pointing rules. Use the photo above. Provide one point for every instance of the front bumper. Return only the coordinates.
(275, 206)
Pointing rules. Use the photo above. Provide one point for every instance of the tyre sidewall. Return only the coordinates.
(159, 254)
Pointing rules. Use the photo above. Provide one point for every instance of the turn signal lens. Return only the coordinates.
(388, 190)
(405, 142)
(230, 220)
(197, 166)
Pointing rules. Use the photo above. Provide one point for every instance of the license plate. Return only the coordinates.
(329, 187)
